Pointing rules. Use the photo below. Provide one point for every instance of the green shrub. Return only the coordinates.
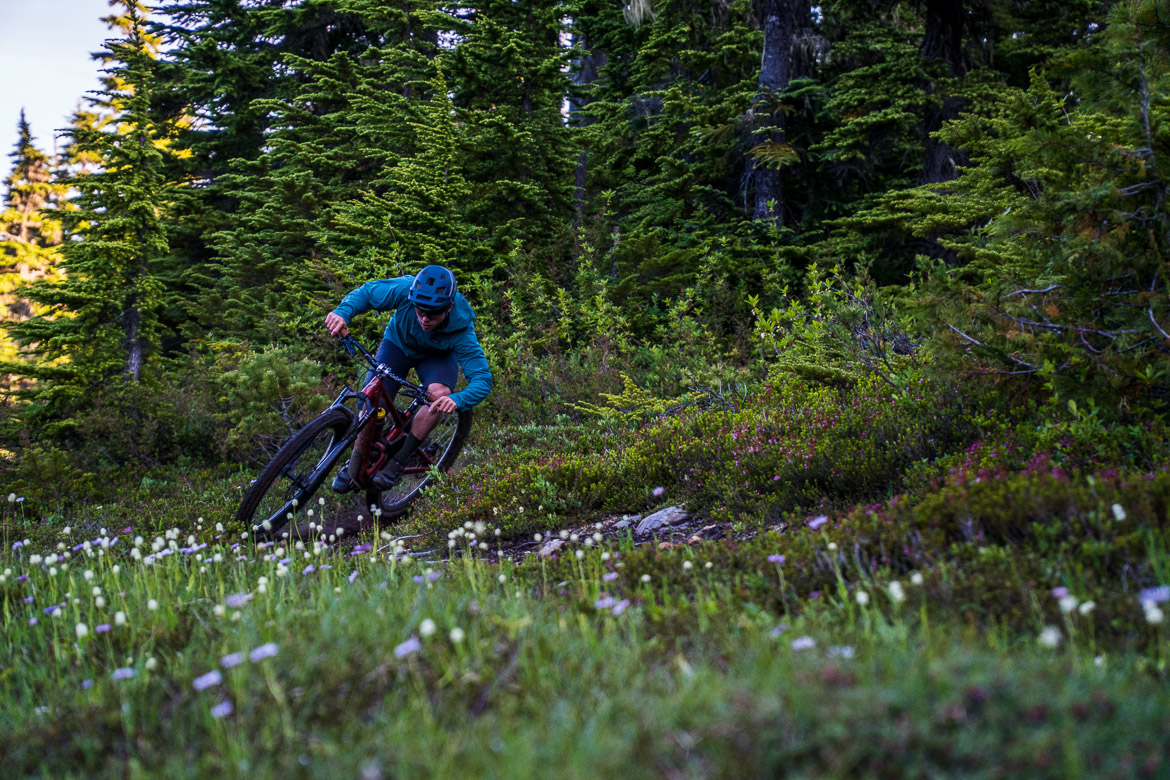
(268, 396)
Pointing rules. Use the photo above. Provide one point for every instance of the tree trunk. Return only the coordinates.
(780, 21)
(943, 42)
(587, 65)
(132, 326)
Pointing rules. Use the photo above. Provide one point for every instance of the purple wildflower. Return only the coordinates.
(1155, 595)
(266, 650)
(102, 628)
(237, 600)
(231, 659)
(411, 645)
(778, 630)
(222, 710)
(817, 522)
(382, 586)
(777, 559)
(353, 576)
(361, 548)
(285, 561)
(49, 610)
(658, 491)
(309, 569)
(32, 621)
(86, 684)
(605, 602)
(609, 576)
(125, 673)
(621, 606)
(204, 681)
(1059, 593)
(28, 599)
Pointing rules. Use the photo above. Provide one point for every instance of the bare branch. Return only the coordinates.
(978, 343)
(1029, 292)
(1061, 328)
(1165, 335)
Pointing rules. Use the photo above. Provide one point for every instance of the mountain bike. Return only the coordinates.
(370, 434)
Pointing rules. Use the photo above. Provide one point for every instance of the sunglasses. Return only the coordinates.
(430, 314)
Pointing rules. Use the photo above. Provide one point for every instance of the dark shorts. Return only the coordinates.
(443, 369)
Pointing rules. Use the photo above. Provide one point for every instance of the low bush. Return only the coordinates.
(794, 447)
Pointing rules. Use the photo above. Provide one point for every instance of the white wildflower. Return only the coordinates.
(804, 643)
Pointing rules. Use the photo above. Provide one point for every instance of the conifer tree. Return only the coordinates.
(671, 143)
(509, 75)
(30, 231)
(414, 212)
(328, 144)
(102, 318)
(1062, 225)
(28, 190)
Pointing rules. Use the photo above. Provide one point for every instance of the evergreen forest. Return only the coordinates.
(873, 295)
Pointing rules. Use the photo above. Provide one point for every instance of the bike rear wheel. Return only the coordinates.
(290, 479)
(440, 450)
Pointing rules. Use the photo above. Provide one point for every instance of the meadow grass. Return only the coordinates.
(164, 655)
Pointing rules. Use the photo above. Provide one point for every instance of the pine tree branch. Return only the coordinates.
(1032, 368)
(1037, 292)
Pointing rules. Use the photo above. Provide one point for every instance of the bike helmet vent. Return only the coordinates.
(433, 288)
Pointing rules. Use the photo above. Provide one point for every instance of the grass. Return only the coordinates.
(934, 603)
(378, 664)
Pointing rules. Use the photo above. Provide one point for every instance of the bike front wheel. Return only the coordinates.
(437, 453)
(290, 479)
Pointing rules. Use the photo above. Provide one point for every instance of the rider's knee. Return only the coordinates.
(438, 389)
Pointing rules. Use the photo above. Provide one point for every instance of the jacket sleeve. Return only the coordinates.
(379, 295)
(475, 367)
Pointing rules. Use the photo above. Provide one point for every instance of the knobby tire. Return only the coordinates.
(444, 449)
(287, 477)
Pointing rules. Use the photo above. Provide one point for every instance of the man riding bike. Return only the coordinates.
(432, 332)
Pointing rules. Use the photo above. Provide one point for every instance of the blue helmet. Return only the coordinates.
(433, 288)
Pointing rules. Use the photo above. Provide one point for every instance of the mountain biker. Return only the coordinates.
(432, 332)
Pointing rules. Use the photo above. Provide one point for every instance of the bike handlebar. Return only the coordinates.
(352, 346)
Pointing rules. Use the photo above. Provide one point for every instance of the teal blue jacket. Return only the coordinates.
(456, 335)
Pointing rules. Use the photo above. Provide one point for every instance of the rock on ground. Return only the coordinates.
(669, 516)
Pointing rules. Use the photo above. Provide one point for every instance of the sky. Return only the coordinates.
(45, 65)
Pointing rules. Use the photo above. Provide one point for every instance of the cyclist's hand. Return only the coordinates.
(336, 325)
(444, 405)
